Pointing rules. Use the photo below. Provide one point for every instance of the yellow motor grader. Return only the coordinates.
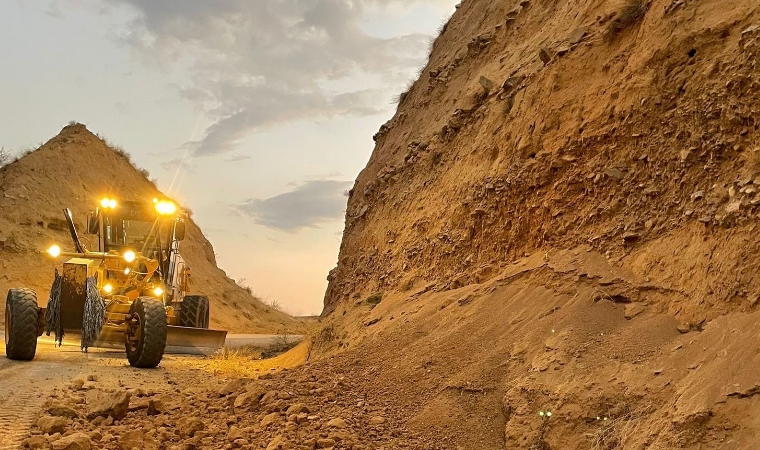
(132, 291)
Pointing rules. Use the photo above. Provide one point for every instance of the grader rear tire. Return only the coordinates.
(146, 334)
(21, 324)
(194, 311)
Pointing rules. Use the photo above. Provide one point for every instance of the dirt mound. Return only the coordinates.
(75, 169)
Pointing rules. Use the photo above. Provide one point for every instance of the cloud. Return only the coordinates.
(236, 158)
(177, 164)
(258, 64)
(310, 204)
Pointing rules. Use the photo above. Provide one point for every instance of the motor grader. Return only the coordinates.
(132, 291)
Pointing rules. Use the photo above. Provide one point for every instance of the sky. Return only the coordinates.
(256, 114)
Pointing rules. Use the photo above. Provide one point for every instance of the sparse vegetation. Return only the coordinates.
(374, 299)
(5, 157)
(244, 284)
(753, 159)
(631, 13)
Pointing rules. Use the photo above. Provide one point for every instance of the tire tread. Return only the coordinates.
(22, 341)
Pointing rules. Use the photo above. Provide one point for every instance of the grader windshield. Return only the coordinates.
(137, 226)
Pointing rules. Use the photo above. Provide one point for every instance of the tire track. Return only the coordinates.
(21, 399)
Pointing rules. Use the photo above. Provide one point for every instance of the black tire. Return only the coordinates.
(146, 334)
(194, 311)
(21, 324)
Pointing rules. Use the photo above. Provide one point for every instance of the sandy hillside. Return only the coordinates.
(75, 169)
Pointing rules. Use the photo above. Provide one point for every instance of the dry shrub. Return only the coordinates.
(753, 159)
(631, 13)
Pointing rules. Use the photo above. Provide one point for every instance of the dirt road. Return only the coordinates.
(24, 386)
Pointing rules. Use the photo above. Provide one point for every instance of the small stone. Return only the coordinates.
(486, 83)
(233, 386)
(248, 400)
(92, 377)
(132, 440)
(545, 55)
(298, 408)
(51, 425)
(96, 435)
(60, 409)
(377, 420)
(325, 443)
(101, 403)
(188, 426)
(76, 441)
(659, 371)
(278, 443)
(577, 35)
(270, 419)
(633, 309)
(36, 443)
(684, 327)
(235, 433)
(614, 173)
(337, 423)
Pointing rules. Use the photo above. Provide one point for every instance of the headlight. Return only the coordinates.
(54, 251)
(158, 292)
(129, 256)
(166, 207)
(108, 203)
(126, 271)
(107, 288)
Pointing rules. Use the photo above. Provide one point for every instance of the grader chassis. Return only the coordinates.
(133, 291)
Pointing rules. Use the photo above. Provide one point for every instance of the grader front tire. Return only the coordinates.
(146, 333)
(21, 324)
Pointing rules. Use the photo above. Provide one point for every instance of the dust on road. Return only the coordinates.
(25, 386)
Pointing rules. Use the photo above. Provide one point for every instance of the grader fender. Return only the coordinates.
(179, 340)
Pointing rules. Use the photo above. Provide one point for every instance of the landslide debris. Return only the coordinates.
(74, 170)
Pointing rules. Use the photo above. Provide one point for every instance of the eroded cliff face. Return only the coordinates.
(540, 125)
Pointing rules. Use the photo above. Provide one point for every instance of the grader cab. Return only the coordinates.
(133, 291)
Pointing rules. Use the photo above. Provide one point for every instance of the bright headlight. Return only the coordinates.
(108, 203)
(126, 271)
(107, 288)
(129, 256)
(166, 208)
(54, 251)
(158, 292)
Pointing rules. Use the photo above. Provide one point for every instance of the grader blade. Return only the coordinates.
(179, 340)
(194, 341)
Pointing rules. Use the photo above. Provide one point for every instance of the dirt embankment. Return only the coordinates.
(74, 170)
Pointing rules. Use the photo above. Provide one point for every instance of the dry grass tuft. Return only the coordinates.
(631, 13)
